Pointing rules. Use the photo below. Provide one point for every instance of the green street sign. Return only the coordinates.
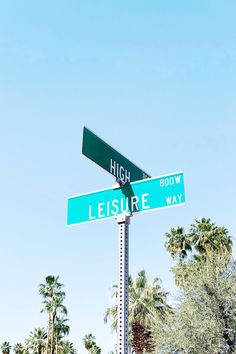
(110, 159)
(142, 196)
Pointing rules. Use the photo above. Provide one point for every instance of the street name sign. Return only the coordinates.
(110, 159)
(141, 196)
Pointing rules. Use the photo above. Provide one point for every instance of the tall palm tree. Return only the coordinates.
(208, 238)
(61, 329)
(51, 287)
(18, 348)
(37, 340)
(53, 297)
(53, 307)
(178, 243)
(5, 347)
(146, 301)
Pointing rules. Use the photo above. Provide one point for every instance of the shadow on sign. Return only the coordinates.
(131, 199)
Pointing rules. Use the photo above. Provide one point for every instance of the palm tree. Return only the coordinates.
(51, 287)
(178, 243)
(208, 238)
(61, 329)
(89, 341)
(5, 347)
(37, 340)
(66, 347)
(53, 297)
(90, 344)
(146, 301)
(95, 349)
(18, 348)
(53, 307)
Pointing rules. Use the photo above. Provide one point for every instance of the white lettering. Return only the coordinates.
(168, 200)
(100, 210)
(174, 200)
(90, 213)
(108, 208)
(114, 205)
(121, 173)
(134, 202)
(126, 204)
(112, 167)
(165, 182)
(180, 197)
(117, 170)
(127, 176)
(177, 179)
(144, 201)
(122, 202)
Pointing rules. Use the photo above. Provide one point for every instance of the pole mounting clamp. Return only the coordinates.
(123, 218)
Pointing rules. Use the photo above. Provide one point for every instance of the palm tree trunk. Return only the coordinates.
(48, 334)
(138, 338)
(142, 339)
(52, 340)
(52, 335)
(56, 344)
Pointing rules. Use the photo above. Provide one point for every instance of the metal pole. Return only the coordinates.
(123, 292)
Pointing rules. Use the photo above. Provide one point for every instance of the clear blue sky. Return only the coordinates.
(156, 79)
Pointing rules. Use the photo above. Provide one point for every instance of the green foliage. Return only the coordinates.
(178, 243)
(5, 347)
(36, 342)
(53, 301)
(207, 237)
(66, 347)
(95, 349)
(61, 328)
(18, 348)
(90, 344)
(50, 340)
(204, 239)
(89, 341)
(204, 322)
(146, 302)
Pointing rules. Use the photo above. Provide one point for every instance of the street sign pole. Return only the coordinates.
(123, 221)
(135, 192)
